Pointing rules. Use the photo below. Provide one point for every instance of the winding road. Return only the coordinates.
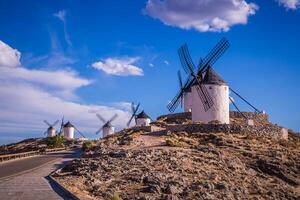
(27, 178)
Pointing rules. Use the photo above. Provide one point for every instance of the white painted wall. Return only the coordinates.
(108, 131)
(69, 132)
(187, 101)
(51, 132)
(143, 121)
(220, 109)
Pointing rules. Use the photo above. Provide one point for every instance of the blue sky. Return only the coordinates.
(110, 53)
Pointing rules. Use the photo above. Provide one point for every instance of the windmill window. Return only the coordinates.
(210, 87)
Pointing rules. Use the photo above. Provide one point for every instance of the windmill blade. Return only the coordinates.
(200, 64)
(101, 118)
(202, 91)
(175, 102)
(136, 108)
(45, 132)
(188, 56)
(128, 123)
(204, 96)
(132, 107)
(97, 132)
(179, 96)
(79, 132)
(214, 55)
(186, 60)
(55, 123)
(46, 122)
(180, 86)
(61, 125)
(180, 79)
(113, 118)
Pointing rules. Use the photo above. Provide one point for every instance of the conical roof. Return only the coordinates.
(50, 128)
(211, 77)
(143, 115)
(68, 124)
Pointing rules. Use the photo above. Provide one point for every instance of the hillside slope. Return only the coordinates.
(186, 165)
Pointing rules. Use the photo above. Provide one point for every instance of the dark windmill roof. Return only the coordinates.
(143, 115)
(211, 77)
(50, 128)
(107, 124)
(68, 124)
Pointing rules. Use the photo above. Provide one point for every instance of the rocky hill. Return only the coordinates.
(195, 161)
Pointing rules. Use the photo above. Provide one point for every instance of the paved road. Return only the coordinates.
(26, 178)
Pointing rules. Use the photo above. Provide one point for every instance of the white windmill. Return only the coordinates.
(69, 131)
(107, 128)
(210, 93)
(51, 131)
(141, 119)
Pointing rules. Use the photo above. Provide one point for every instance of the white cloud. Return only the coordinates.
(119, 67)
(123, 105)
(166, 62)
(201, 15)
(290, 4)
(30, 96)
(61, 15)
(151, 65)
(8, 56)
(62, 83)
(58, 79)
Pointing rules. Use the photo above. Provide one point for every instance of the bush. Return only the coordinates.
(115, 197)
(56, 141)
(87, 145)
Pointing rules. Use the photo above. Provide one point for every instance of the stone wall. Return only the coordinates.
(270, 131)
(176, 118)
(258, 118)
(235, 118)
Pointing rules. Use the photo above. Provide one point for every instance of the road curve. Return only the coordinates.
(15, 167)
(26, 179)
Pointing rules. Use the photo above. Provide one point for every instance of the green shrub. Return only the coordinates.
(87, 145)
(115, 197)
(56, 141)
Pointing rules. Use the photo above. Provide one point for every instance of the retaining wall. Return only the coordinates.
(270, 131)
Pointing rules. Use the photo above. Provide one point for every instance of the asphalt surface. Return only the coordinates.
(15, 167)
(27, 179)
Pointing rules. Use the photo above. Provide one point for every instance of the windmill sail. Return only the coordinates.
(197, 78)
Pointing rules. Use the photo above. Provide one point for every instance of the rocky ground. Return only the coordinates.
(169, 165)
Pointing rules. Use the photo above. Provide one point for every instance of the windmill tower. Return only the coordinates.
(51, 132)
(141, 119)
(69, 131)
(209, 101)
(107, 128)
(218, 90)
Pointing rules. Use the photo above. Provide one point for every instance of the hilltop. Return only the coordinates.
(176, 159)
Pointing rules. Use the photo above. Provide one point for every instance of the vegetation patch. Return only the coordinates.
(56, 141)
